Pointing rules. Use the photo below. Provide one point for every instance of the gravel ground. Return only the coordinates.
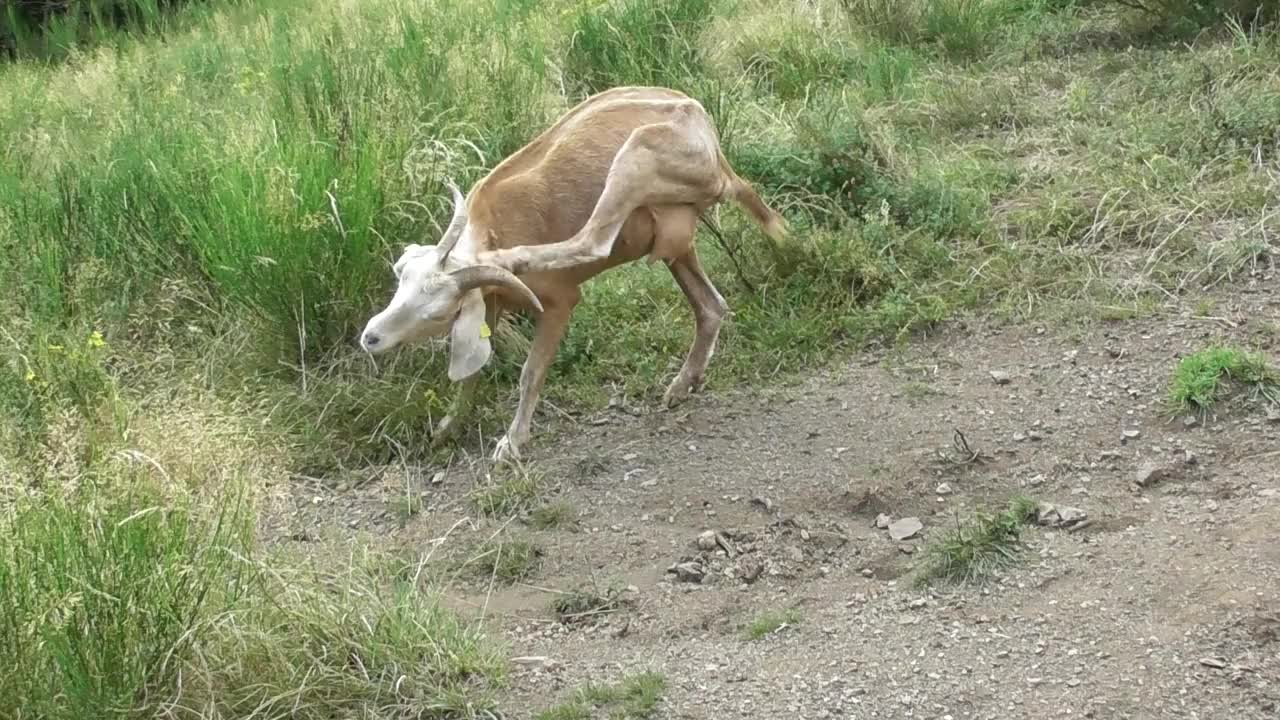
(1163, 603)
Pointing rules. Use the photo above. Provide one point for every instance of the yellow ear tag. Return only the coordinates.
(484, 330)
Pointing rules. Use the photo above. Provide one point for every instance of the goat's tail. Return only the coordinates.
(741, 191)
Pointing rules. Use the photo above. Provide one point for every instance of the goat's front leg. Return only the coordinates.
(709, 309)
(447, 428)
(550, 330)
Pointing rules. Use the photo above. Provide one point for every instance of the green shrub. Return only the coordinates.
(959, 28)
(635, 42)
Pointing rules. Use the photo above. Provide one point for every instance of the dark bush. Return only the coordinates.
(26, 24)
(1206, 13)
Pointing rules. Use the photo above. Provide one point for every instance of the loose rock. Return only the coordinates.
(749, 569)
(905, 528)
(537, 662)
(690, 572)
(1151, 473)
(883, 521)
(707, 540)
(1051, 515)
(1000, 377)
(944, 489)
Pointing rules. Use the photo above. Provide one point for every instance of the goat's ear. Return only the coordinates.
(406, 255)
(469, 347)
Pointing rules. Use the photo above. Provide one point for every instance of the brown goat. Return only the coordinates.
(625, 174)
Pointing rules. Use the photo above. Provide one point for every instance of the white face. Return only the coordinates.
(425, 304)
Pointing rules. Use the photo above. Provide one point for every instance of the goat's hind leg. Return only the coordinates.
(672, 162)
(709, 309)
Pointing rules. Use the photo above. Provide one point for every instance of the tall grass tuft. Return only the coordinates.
(103, 595)
(118, 600)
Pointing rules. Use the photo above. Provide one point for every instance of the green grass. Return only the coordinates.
(509, 490)
(552, 516)
(976, 548)
(504, 559)
(1203, 378)
(222, 205)
(634, 697)
(771, 622)
(122, 599)
(585, 604)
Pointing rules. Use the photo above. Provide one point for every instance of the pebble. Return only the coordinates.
(1150, 473)
(690, 572)
(1000, 377)
(707, 540)
(905, 528)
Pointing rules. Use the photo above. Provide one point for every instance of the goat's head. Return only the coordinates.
(440, 292)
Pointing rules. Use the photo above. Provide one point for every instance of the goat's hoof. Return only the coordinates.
(505, 451)
(680, 390)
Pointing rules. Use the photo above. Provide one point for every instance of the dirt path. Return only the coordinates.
(1167, 605)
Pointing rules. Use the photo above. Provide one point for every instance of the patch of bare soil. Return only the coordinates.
(1164, 604)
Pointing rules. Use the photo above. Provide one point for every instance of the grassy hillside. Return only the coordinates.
(197, 220)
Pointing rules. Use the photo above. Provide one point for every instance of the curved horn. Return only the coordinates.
(474, 276)
(459, 221)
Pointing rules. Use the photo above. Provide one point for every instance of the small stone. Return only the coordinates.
(1035, 435)
(690, 572)
(1190, 421)
(1052, 515)
(537, 662)
(1019, 436)
(1213, 662)
(1150, 473)
(437, 478)
(883, 521)
(1130, 434)
(918, 603)
(1070, 515)
(944, 489)
(868, 572)
(1273, 413)
(1000, 377)
(1269, 492)
(905, 528)
(749, 569)
(804, 535)
(707, 540)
